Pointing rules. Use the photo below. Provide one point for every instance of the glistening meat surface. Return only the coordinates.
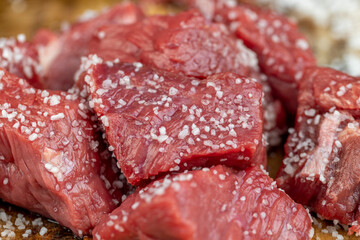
(216, 203)
(49, 158)
(157, 122)
(60, 55)
(185, 43)
(321, 168)
(188, 44)
(283, 52)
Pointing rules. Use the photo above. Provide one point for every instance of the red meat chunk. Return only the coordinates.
(49, 158)
(189, 206)
(283, 52)
(21, 59)
(321, 168)
(188, 44)
(185, 43)
(158, 122)
(61, 55)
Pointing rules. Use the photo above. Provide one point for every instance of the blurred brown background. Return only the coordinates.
(26, 16)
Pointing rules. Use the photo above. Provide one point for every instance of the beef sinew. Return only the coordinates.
(321, 168)
(188, 44)
(216, 203)
(60, 55)
(49, 161)
(157, 121)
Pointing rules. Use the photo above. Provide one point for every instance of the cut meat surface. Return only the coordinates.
(321, 168)
(189, 44)
(49, 158)
(21, 59)
(158, 122)
(283, 52)
(61, 55)
(216, 203)
(185, 43)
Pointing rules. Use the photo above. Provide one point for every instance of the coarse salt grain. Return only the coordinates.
(33, 136)
(173, 91)
(57, 116)
(43, 231)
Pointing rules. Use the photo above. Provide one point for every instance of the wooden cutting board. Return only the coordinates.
(26, 16)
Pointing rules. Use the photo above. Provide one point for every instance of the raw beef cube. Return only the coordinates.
(21, 59)
(187, 43)
(61, 55)
(283, 52)
(158, 121)
(49, 159)
(216, 203)
(321, 167)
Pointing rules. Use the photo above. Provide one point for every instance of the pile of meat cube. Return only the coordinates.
(127, 126)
